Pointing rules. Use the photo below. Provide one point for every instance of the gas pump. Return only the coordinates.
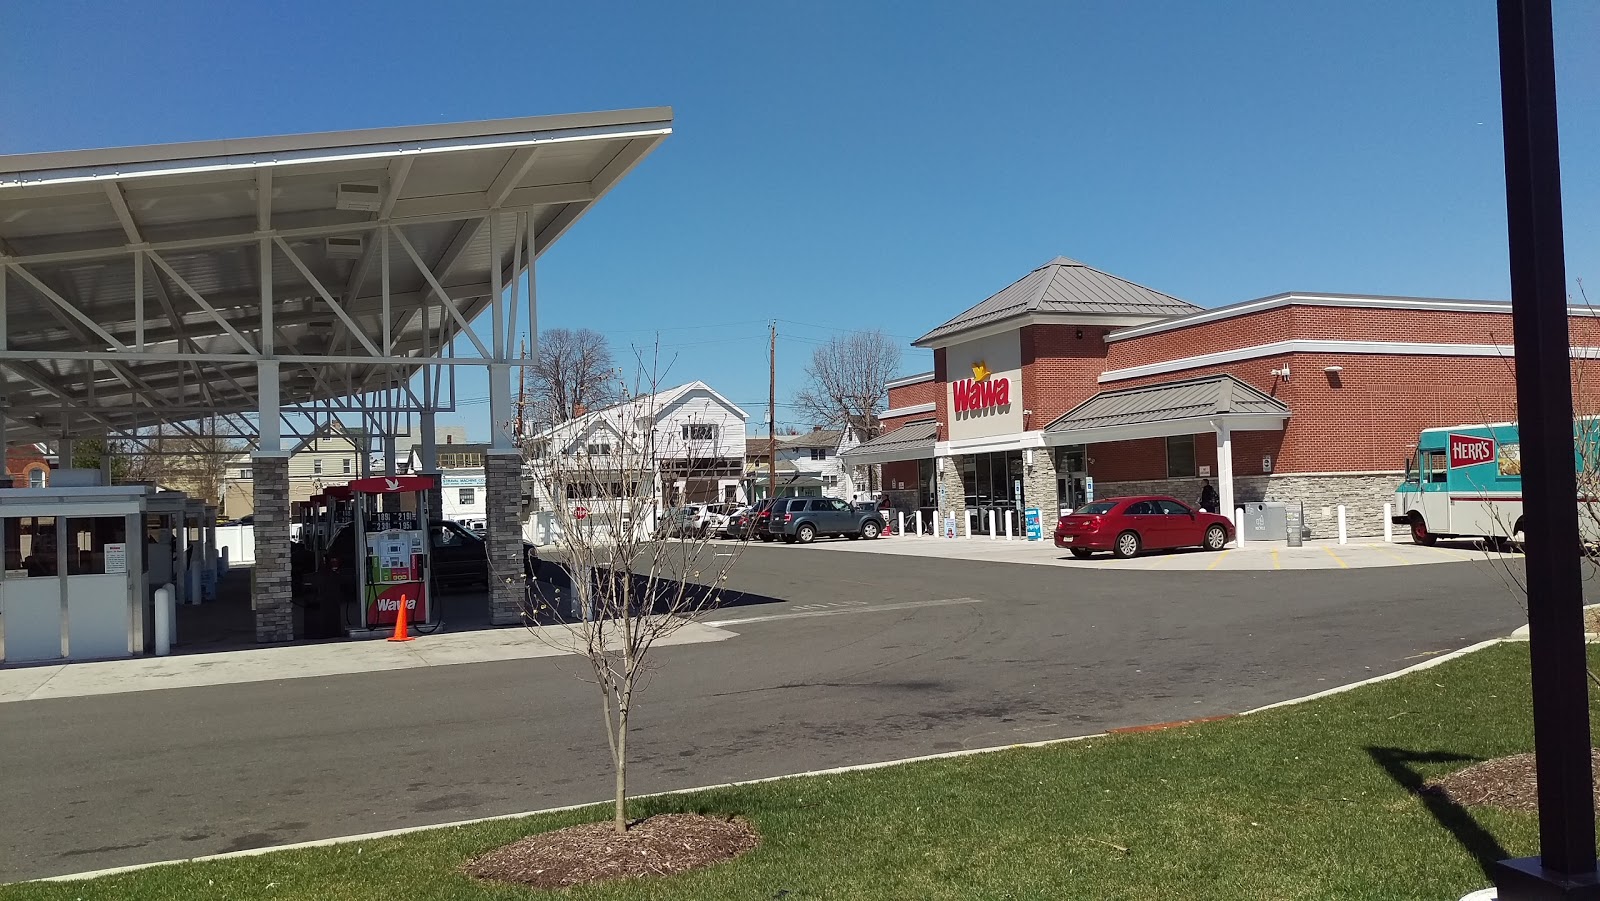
(396, 550)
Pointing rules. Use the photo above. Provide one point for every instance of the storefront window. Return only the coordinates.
(1180, 457)
(87, 539)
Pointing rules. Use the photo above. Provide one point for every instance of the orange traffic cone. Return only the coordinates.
(400, 623)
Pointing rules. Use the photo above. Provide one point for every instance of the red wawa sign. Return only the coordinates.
(972, 395)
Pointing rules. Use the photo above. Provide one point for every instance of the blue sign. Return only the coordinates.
(1035, 527)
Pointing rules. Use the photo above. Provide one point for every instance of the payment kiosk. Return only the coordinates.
(393, 577)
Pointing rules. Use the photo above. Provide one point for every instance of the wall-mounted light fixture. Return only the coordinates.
(1080, 333)
(1334, 375)
(1282, 373)
(1333, 369)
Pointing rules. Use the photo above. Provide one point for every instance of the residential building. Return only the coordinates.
(27, 466)
(331, 456)
(811, 465)
(688, 441)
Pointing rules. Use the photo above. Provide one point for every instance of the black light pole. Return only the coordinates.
(1565, 868)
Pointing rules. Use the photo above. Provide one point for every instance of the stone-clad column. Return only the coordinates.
(273, 584)
(502, 486)
(954, 491)
(1039, 484)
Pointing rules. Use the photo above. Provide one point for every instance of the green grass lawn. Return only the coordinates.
(1303, 802)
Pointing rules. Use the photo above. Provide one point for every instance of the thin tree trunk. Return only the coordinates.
(620, 812)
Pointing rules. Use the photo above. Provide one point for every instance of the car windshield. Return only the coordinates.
(1095, 509)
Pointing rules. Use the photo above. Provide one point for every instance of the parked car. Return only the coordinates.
(769, 524)
(717, 516)
(747, 524)
(1125, 526)
(805, 518)
(733, 523)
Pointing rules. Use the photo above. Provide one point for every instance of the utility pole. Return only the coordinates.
(772, 415)
(522, 394)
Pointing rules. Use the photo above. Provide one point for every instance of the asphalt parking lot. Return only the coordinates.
(834, 659)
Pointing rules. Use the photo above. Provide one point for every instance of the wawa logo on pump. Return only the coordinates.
(981, 392)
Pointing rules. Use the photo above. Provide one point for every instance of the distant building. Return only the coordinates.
(27, 466)
(332, 457)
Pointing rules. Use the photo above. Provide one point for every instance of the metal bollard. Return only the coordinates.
(901, 529)
(992, 535)
(1008, 525)
(919, 522)
(966, 520)
(1238, 527)
(164, 614)
(1388, 523)
(1344, 537)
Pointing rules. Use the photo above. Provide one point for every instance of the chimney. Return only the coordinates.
(579, 410)
(816, 428)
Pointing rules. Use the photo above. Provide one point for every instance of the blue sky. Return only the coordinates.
(856, 165)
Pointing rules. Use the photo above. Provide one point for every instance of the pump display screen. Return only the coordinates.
(384, 521)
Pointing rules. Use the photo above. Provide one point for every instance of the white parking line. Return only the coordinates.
(873, 608)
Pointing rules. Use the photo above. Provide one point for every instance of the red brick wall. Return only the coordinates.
(1328, 323)
(20, 461)
(1146, 458)
(911, 395)
(1059, 369)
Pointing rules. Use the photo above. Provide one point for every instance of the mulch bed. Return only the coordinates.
(1507, 783)
(580, 855)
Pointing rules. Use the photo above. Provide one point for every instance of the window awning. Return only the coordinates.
(912, 441)
(1169, 408)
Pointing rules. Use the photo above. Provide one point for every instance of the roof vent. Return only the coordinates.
(342, 248)
(361, 197)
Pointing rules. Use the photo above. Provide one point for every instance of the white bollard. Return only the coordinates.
(919, 522)
(164, 619)
(1008, 525)
(992, 535)
(966, 520)
(901, 529)
(1238, 527)
(1344, 537)
(1388, 523)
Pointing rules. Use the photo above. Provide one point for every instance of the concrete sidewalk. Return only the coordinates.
(301, 661)
(1360, 553)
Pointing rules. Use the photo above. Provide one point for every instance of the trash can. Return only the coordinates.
(1265, 521)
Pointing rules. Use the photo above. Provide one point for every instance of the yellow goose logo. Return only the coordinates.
(980, 371)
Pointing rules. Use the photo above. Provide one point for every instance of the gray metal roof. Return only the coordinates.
(1064, 286)
(1210, 396)
(826, 438)
(911, 441)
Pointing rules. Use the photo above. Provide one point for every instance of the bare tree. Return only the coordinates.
(573, 371)
(636, 578)
(847, 384)
(195, 460)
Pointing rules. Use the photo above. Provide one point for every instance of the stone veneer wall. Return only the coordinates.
(1362, 494)
(273, 584)
(954, 490)
(1039, 485)
(502, 486)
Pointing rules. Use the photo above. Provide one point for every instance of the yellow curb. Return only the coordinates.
(1220, 557)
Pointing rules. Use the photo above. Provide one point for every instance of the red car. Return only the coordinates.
(1127, 525)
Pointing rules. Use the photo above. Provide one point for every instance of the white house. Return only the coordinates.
(809, 465)
(684, 444)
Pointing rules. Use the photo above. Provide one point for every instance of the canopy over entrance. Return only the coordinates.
(912, 441)
(1170, 408)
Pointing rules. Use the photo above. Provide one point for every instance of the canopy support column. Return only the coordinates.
(1225, 470)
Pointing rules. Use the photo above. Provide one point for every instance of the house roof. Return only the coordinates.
(815, 438)
(649, 404)
(756, 447)
(1168, 408)
(912, 441)
(1062, 286)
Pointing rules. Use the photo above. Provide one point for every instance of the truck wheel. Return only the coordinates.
(1419, 532)
(806, 533)
(869, 530)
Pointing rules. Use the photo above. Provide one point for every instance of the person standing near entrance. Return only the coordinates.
(1208, 497)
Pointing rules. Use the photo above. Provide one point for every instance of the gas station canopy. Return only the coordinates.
(169, 283)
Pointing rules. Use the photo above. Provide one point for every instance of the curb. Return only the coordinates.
(853, 768)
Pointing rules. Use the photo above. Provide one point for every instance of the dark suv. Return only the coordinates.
(802, 519)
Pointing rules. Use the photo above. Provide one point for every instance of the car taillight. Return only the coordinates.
(1093, 524)
(788, 517)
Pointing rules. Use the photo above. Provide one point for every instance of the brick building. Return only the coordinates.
(1072, 382)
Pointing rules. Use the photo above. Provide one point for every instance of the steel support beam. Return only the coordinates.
(1566, 865)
